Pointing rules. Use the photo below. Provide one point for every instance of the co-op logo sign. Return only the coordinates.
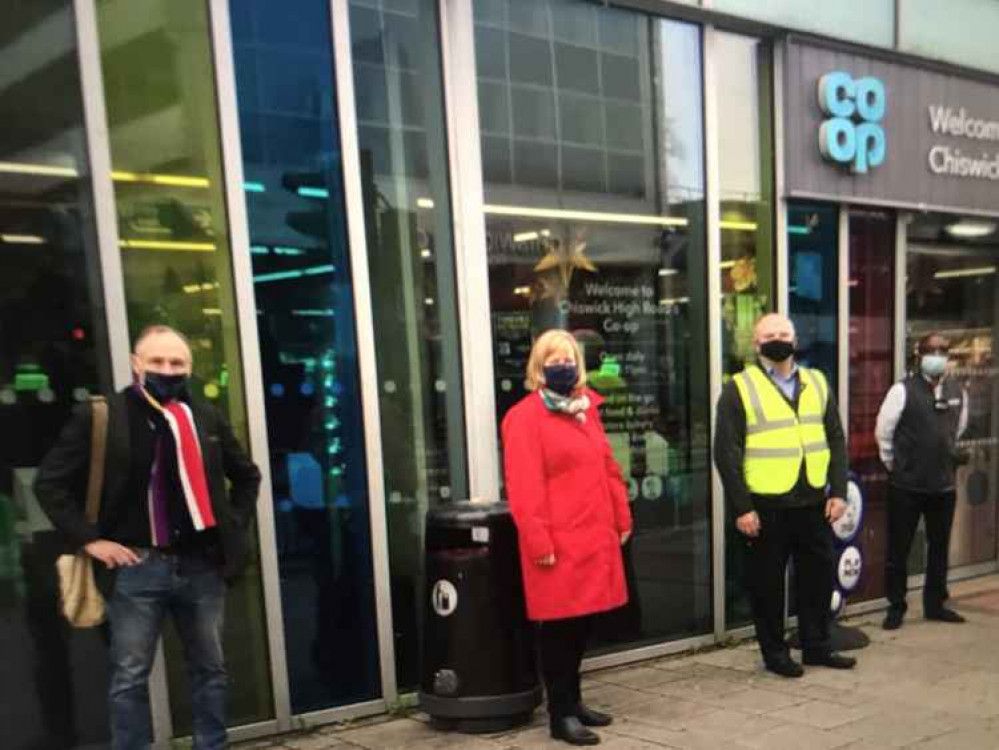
(853, 134)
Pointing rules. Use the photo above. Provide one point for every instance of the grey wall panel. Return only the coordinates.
(905, 177)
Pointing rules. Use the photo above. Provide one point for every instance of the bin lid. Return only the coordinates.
(464, 514)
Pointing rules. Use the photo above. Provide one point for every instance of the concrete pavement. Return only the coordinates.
(931, 686)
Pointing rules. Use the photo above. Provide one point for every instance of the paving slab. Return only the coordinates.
(664, 710)
(796, 737)
(687, 739)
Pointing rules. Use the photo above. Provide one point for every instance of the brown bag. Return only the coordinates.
(82, 603)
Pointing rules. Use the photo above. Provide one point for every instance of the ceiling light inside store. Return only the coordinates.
(44, 170)
(173, 180)
(970, 228)
(192, 247)
(525, 236)
(207, 286)
(796, 229)
(254, 187)
(596, 216)
(668, 272)
(739, 226)
(282, 275)
(327, 313)
(424, 203)
(727, 264)
(674, 301)
(211, 310)
(523, 291)
(425, 252)
(313, 192)
(22, 239)
(961, 272)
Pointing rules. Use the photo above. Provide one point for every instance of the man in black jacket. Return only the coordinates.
(918, 427)
(778, 446)
(168, 535)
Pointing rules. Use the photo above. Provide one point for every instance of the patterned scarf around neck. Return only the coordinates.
(573, 406)
(177, 448)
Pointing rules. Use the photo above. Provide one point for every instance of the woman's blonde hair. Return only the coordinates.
(544, 345)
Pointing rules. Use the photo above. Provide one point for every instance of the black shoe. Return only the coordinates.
(893, 620)
(944, 615)
(831, 660)
(570, 729)
(590, 718)
(786, 667)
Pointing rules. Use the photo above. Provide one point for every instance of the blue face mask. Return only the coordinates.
(561, 378)
(933, 365)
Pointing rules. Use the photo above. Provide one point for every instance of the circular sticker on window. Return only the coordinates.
(849, 569)
(652, 487)
(444, 597)
(848, 525)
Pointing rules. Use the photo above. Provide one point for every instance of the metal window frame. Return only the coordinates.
(105, 210)
(901, 250)
(98, 144)
(712, 196)
(461, 103)
(357, 241)
(843, 317)
(781, 270)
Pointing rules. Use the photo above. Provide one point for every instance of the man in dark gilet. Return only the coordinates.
(917, 430)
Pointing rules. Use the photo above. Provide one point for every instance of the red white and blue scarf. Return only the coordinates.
(180, 449)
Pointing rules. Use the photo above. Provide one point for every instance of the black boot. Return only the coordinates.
(590, 718)
(570, 729)
(894, 618)
(943, 614)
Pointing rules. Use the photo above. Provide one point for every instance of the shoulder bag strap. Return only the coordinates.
(98, 449)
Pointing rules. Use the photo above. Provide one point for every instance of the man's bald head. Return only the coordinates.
(773, 327)
(161, 349)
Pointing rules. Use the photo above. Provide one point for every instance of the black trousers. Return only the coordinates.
(562, 644)
(904, 510)
(804, 535)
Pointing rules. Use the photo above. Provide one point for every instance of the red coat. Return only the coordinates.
(568, 499)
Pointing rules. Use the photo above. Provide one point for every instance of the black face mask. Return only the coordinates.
(776, 350)
(561, 378)
(165, 387)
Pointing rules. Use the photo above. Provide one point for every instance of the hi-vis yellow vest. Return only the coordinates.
(777, 438)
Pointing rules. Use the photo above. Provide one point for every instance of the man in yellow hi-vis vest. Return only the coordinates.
(781, 454)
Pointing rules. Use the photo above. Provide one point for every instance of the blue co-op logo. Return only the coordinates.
(853, 134)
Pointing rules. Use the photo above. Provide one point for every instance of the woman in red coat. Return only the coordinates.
(570, 506)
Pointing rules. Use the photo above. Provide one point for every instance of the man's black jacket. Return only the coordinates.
(730, 451)
(61, 482)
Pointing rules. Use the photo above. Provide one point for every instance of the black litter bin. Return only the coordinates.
(479, 671)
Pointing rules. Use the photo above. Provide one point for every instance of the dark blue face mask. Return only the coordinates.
(165, 388)
(561, 378)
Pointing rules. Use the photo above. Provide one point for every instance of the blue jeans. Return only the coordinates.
(192, 591)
